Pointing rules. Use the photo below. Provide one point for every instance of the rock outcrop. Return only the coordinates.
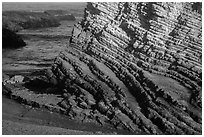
(11, 40)
(136, 66)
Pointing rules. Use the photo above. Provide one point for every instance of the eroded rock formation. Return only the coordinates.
(135, 65)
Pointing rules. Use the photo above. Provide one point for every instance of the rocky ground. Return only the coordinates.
(135, 66)
(19, 119)
(30, 109)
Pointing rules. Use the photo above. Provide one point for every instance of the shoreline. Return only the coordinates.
(27, 115)
(23, 112)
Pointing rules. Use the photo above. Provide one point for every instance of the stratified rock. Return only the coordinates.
(141, 63)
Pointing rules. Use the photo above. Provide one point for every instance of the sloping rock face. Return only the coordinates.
(135, 65)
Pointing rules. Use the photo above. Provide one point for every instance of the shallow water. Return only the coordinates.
(43, 45)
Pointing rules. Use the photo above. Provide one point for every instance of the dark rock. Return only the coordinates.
(11, 40)
(41, 84)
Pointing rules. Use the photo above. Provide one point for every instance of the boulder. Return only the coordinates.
(102, 107)
(83, 105)
(17, 79)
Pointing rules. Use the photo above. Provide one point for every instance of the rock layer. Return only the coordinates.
(135, 65)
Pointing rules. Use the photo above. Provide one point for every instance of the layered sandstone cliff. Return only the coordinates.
(136, 66)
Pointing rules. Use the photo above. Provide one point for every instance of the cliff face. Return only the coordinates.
(156, 33)
(135, 65)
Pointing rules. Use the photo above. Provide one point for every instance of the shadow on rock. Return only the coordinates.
(41, 85)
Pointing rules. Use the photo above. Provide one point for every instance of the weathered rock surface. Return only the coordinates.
(135, 65)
